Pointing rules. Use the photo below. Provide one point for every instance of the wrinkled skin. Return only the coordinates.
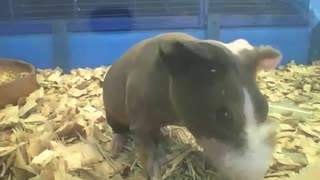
(207, 86)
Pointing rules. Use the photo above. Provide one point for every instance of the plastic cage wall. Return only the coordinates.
(100, 15)
(89, 33)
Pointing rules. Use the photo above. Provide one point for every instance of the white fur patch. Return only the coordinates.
(253, 162)
(258, 154)
(235, 46)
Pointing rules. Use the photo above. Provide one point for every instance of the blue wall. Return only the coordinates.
(89, 49)
(95, 49)
(36, 49)
(293, 42)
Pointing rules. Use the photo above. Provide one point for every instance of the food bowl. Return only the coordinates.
(17, 79)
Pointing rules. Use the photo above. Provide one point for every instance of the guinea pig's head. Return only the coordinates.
(215, 93)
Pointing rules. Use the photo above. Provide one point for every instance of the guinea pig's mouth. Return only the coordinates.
(212, 146)
(247, 163)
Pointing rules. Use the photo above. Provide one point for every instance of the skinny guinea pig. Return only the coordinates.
(206, 86)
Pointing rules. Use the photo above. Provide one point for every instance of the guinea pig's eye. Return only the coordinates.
(223, 113)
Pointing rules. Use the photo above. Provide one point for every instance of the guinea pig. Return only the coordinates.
(177, 79)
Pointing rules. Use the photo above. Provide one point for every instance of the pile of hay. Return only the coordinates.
(59, 132)
(9, 76)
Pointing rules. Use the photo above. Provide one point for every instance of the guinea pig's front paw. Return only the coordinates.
(154, 172)
(118, 143)
(153, 168)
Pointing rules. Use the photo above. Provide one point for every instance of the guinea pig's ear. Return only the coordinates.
(178, 56)
(263, 57)
(187, 56)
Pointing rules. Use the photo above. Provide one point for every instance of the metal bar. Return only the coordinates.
(61, 52)
(253, 7)
(213, 28)
(44, 5)
(75, 8)
(11, 9)
(263, 20)
(135, 23)
(134, 5)
(98, 4)
(40, 9)
(149, 23)
(203, 12)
